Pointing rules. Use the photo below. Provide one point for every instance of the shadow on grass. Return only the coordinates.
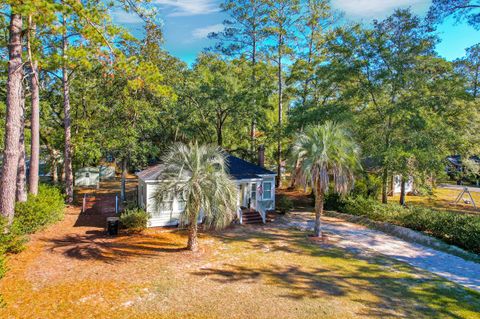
(95, 245)
(306, 271)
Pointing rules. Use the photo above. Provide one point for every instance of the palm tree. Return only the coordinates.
(198, 173)
(325, 151)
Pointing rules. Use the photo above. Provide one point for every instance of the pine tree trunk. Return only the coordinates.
(35, 121)
(253, 127)
(384, 186)
(192, 235)
(280, 113)
(21, 192)
(67, 121)
(317, 231)
(124, 180)
(12, 122)
(402, 191)
(54, 166)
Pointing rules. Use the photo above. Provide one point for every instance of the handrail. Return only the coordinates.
(240, 215)
(262, 211)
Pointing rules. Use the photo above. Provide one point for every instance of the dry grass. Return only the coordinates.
(443, 198)
(243, 272)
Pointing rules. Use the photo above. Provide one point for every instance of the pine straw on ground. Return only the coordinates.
(243, 272)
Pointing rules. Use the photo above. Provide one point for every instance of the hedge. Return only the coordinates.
(39, 211)
(462, 230)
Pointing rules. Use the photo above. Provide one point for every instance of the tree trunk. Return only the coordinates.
(253, 128)
(384, 186)
(192, 235)
(280, 113)
(12, 122)
(21, 193)
(295, 172)
(35, 124)
(67, 121)
(318, 212)
(402, 191)
(124, 180)
(219, 135)
(54, 171)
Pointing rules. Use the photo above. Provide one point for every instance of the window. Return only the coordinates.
(167, 201)
(267, 190)
(253, 192)
(181, 200)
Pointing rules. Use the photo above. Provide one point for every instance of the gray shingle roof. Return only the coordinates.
(237, 169)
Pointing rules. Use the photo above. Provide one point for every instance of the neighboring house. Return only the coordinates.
(256, 192)
(91, 176)
(87, 176)
(397, 185)
(454, 163)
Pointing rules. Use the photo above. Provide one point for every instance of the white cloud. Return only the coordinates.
(189, 7)
(202, 33)
(122, 17)
(378, 8)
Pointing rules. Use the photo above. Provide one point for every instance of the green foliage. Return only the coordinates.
(333, 201)
(39, 211)
(368, 186)
(284, 204)
(134, 219)
(12, 241)
(462, 230)
(326, 150)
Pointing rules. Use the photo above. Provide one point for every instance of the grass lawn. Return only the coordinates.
(442, 199)
(244, 272)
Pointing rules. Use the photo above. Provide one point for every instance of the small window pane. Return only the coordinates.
(267, 190)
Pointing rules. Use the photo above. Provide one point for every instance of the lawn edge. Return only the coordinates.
(407, 234)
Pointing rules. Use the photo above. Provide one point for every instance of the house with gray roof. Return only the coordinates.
(256, 193)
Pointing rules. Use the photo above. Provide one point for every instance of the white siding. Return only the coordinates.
(167, 215)
(397, 184)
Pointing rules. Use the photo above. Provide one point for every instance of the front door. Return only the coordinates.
(252, 195)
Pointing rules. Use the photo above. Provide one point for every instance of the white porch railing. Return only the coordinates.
(262, 207)
(240, 215)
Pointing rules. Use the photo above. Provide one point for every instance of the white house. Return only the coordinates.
(256, 193)
(87, 176)
(397, 184)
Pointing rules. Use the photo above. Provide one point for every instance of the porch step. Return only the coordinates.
(251, 217)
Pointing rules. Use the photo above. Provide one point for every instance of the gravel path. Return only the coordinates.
(355, 237)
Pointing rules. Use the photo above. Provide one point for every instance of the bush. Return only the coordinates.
(453, 228)
(39, 211)
(368, 186)
(333, 201)
(284, 204)
(134, 219)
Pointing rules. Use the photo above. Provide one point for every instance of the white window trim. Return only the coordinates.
(270, 189)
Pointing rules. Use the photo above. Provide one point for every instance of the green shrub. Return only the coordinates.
(454, 228)
(368, 186)
(39, 211)
(134, 219)
(284, 204)
(333, 201)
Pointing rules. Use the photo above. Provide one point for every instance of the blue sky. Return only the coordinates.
(186, 23)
